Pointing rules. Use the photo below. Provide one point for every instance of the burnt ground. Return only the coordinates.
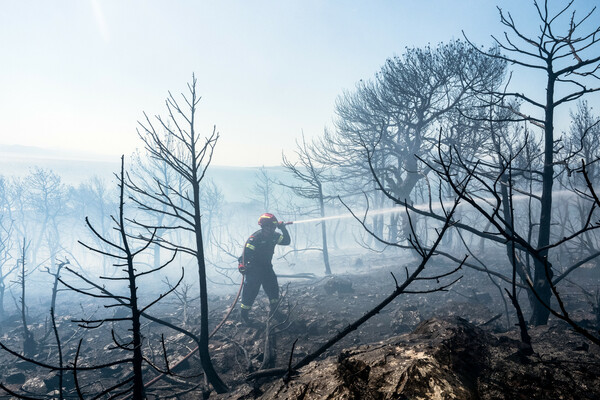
(441, 345)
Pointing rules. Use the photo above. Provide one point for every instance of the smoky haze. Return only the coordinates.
(447, 210)
(87, 188)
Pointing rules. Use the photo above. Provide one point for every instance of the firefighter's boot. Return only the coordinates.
(245, 317)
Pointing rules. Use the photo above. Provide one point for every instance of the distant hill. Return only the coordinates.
(74, 168)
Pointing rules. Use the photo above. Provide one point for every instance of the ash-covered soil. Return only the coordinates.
(456, 343)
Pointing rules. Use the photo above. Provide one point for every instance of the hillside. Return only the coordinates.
(236, 183)
(444, 345)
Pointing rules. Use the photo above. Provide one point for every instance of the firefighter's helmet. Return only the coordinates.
(267, 219)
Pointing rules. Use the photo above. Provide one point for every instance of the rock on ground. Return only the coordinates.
(446, 358)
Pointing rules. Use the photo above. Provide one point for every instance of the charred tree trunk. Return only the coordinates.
(269, 356)
(324, 233)
(2, 289)
(543, 269)
(138, 359)
(393, 231)
(29, 344)
(211, 375)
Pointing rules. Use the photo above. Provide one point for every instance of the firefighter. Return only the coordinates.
(255, 264)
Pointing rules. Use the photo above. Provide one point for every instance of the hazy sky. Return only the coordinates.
(78, 74)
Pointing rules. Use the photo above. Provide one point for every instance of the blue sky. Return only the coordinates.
(78, 74)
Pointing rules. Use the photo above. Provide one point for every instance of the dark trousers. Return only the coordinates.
(256, 277)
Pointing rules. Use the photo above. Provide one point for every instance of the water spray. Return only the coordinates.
(490, 201)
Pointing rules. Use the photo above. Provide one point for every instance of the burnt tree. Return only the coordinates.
(312, 176)
(178, 144)
(568, 60)
(123, 252)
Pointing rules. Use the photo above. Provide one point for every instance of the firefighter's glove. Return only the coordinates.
(241, 268)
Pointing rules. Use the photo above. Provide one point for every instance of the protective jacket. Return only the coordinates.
(261, 246)
(256, 262)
